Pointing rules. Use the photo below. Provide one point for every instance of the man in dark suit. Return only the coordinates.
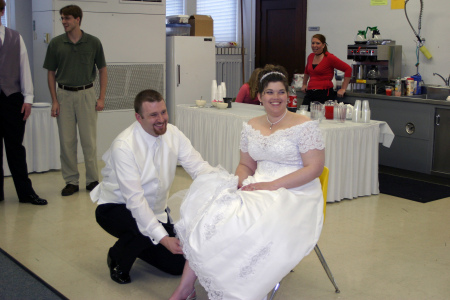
(16, 97)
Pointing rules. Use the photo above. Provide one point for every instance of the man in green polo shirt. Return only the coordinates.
(71, 61)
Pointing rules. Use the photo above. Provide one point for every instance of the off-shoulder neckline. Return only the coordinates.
(280, 130)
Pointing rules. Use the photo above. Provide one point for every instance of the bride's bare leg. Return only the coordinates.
(186, 286)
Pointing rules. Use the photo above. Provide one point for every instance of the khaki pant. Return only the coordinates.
(78, 108)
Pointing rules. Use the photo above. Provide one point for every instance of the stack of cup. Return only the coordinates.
(218, 92)
(365, 112)
(357, 112)
(224, 89)
(361, 113)
(213, 90)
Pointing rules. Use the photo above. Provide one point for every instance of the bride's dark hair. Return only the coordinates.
(272, 73)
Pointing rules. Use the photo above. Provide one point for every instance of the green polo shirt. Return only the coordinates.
(74, 63)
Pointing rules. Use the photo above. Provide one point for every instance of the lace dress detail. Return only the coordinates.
(280, 145)
(249, 269)
(241, 243)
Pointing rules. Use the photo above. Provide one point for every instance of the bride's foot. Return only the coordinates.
(192, 295)
(184, 294)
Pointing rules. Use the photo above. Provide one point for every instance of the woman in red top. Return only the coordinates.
(249, 90)
(320, 71)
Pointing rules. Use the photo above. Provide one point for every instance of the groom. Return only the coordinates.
(140, 168)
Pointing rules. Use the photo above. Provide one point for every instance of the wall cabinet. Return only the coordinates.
(413, 126)
(441, 153)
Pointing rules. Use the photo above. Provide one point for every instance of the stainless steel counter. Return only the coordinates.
(413, 99)
(415, 122)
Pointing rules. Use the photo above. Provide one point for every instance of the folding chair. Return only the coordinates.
(324, 182)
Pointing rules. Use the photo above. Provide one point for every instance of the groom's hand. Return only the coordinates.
(172, 244)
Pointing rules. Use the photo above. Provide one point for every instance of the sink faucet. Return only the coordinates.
(447, 81)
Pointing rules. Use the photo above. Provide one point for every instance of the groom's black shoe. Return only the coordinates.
(116, 273)
(33, 199)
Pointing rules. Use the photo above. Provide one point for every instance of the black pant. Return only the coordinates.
(118, 221)
(319, 95)
(12, 130)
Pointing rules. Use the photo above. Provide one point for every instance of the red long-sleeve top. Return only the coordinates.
(244, 95)
(320, 77)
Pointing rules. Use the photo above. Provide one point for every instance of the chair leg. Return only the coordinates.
(325, 266)
(275, 289)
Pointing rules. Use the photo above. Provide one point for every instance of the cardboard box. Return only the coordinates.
(201, 25)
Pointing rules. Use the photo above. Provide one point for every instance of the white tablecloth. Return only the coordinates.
(351, 151)
(41, 141)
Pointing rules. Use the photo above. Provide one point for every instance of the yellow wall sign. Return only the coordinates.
(397, 4)
(378, 2)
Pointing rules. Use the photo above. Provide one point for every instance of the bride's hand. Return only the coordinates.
(269, 186)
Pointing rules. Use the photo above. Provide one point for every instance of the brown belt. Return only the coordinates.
(75, 88)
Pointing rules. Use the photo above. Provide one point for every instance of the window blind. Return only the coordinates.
(141, 0)
(224, 14)
(4, 17)
(174, 7)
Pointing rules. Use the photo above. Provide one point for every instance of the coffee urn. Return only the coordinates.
(374, 63)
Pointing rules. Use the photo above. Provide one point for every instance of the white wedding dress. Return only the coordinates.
(241, 243)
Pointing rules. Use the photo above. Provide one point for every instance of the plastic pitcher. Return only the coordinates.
(329, 110)
(417, 84)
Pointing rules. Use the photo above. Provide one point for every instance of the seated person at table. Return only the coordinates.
(247, 92)
(241, 234)
(140, 168)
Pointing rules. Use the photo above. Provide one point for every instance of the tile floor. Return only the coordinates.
(378, 247)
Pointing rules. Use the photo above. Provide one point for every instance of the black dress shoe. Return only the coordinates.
(69, 189)
(116, 273)
(120, 276)
(33, 199)
(91, 185)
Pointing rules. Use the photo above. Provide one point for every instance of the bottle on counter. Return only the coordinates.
(418, 83)
(398, 87)
(409, 86)
(292, 103)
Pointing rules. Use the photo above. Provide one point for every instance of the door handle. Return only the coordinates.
(178, 75)
(438, 120)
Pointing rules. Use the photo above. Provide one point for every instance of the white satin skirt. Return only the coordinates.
(241, 244)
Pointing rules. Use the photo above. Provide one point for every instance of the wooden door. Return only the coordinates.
(281, 34)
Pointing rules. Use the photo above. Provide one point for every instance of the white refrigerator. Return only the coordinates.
(191, 68)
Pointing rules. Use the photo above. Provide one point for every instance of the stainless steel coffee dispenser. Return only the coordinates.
(374, 64)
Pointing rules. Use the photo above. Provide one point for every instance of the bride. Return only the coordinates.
(242, 233)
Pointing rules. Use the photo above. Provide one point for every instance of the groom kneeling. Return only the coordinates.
(139, 171)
